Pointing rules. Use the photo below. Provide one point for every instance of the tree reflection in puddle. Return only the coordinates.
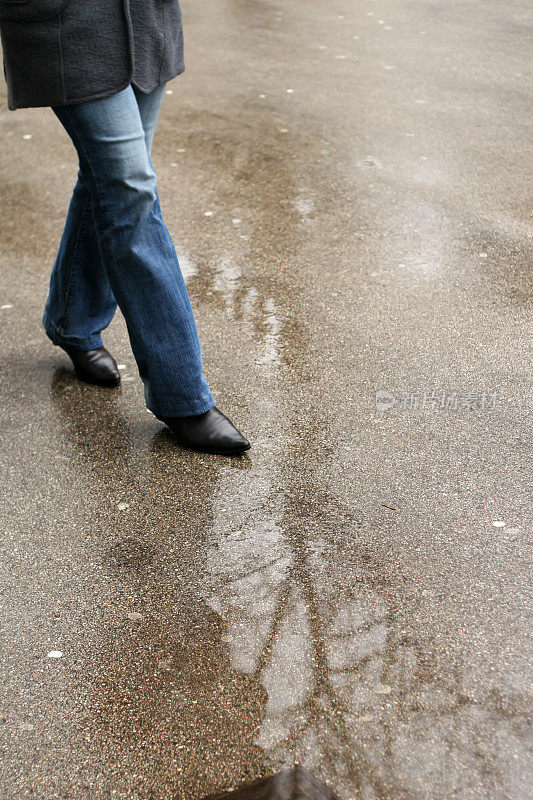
(357, 691)
(351, 693)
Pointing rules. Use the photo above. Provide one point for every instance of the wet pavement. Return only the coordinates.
(346, 184)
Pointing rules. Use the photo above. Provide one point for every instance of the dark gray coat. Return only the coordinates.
(67, 51)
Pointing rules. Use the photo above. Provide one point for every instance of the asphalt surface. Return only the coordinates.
(346, 185)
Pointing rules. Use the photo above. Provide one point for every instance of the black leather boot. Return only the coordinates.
(94, 366)
(210, 432)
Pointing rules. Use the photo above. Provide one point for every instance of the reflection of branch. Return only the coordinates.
(277, 617)
(325, 713)
(323, 685)
(249, 573)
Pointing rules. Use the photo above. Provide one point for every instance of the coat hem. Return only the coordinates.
(98, 95)
(160, 81)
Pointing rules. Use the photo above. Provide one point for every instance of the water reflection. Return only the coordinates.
(161, 706)
(350, 692)
(354, 692)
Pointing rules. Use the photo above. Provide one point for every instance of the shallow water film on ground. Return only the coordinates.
(346, 185)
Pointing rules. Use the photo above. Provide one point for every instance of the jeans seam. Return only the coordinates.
(63, 317)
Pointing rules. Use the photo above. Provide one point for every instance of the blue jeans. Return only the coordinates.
(116, 248)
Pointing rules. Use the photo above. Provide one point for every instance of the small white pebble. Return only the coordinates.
(27, 136)
(169, 91)
(236, 220)
(290, 91)
(7, 305)
(381, 22)
(121, 366)
(356, 37)
(388, 27)
(483, 255)
(283, 130)
(388, 66)
(321, 46)
(208, 213)
(123, 506)
(180, 150)
(499, 524)
(55, 654)
(340, 56)
(262, 96)
(174, 164)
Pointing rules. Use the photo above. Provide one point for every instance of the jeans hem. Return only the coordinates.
(199, 407)
(73, 342)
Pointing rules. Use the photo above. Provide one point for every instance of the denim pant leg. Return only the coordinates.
(137, 251)
(80, 303)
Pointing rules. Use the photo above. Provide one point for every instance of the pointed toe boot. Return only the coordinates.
(94, 366)
(210, 432)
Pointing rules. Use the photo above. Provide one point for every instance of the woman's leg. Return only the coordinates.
(136, 249)
(81, 303)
